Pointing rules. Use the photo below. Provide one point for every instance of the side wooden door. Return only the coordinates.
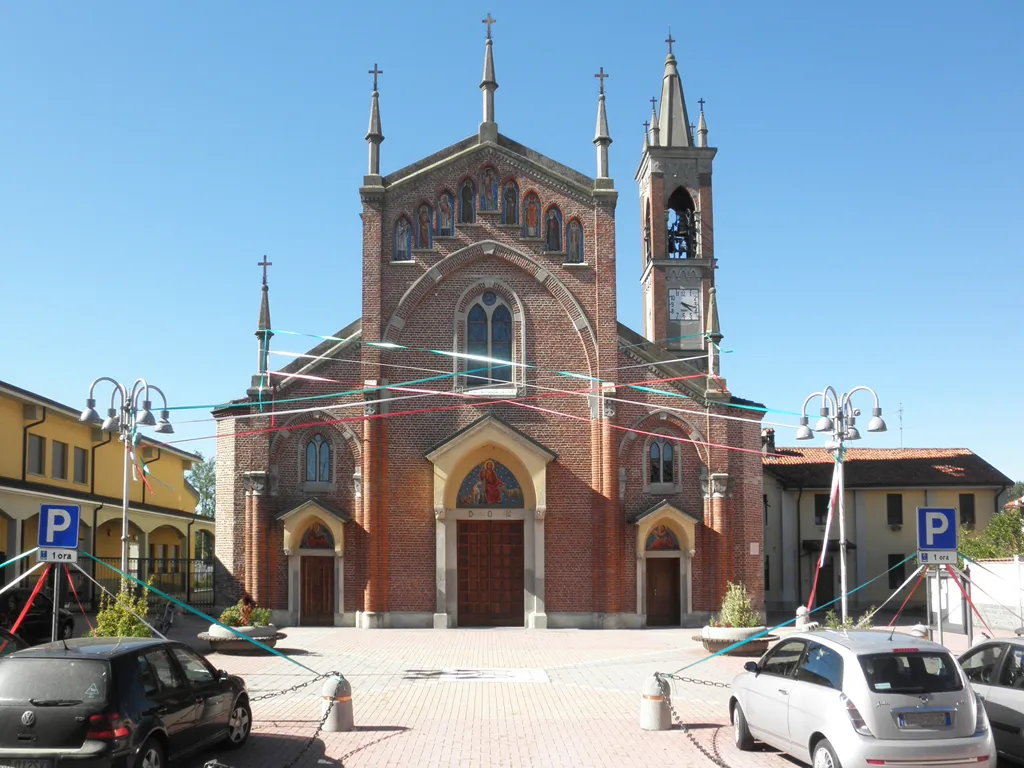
(663, 605)
(317, 605)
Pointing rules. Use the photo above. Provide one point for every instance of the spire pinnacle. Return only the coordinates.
(674, 123)
(263, 332)
(655, 128)
(601, 136)
(374, 135)
(489, 85)
(702, 127)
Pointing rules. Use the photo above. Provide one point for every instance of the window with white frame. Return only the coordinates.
(318, 460)
(489, 331)
(661, 475)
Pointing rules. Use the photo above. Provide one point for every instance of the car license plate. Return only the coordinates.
(925, 719)
(25, 762)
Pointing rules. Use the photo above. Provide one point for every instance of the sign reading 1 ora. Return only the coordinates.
(58, 533)
(936, 536)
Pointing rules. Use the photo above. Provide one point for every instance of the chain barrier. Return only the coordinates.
(711, 754)
(319, 728)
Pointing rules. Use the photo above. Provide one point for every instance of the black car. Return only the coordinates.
(105, 702)
(37, 627)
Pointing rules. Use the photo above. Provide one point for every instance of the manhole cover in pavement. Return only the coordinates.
(478, 675)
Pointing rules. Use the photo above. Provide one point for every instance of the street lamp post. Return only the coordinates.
(838, 417)
(126, 419)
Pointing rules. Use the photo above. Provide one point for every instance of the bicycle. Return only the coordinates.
(167, 619)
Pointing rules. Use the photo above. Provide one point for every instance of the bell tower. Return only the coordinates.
(677, 231)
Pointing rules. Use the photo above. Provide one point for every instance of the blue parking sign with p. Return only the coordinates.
(936, 529)
(58, 526)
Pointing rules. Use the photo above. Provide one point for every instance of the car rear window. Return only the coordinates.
(83, 680)
(911, 672)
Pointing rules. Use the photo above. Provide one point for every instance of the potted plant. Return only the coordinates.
(245, 618)
(736, 622)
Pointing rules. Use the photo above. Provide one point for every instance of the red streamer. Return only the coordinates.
(28, 604)
(75, 593)
(917, 583)
(969, 601)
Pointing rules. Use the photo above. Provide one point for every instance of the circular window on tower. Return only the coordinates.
(489, 298)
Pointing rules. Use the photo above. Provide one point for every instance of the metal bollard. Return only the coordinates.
(654, 711)
(337, 694)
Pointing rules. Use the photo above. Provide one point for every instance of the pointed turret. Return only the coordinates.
(702, 128)
(601, 138)
(655, 138)
(673, 122)
(374, 136)
(260, 380)
(489, 128)
(713, 337)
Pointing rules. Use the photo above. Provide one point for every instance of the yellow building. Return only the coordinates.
(48, 457)
(884, 488)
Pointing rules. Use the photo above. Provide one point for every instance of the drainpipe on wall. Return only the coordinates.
(159, 454)
(24, 452)
(189, 560)
(92, 467)
(799, 555)
(92, 550)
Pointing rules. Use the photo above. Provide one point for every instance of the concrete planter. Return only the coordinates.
(225, 640)
(715, 639)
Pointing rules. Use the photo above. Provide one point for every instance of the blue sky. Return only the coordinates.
(867, 186)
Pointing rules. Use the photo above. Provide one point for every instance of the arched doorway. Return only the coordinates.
(316, 555)
(665, 552)
(314, 542)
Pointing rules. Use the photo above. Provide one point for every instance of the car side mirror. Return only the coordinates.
(751, 666)
(222, 675)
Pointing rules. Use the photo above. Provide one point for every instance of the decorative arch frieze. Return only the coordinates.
(325, 424)
(448, 266)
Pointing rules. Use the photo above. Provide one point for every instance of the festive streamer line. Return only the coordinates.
(920, 578)
(768, 631)
(899, 589)
(967, 597)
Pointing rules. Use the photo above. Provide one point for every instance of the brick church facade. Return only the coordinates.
(488, 444)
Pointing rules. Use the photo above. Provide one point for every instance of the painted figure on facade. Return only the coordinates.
(510, 204)
(489, 191)
(423, 227)
(403, 240)
(574, 243)
(661, 538)
(531, 217)
(553, 234)
(444, 215)
(467, 209)
(317, 536)
(490, 484)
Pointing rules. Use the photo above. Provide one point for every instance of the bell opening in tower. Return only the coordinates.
(681, 218)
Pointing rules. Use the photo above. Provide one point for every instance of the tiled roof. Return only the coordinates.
(884, 468)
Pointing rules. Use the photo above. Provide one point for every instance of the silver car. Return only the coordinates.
(996, 671)
(861, 697)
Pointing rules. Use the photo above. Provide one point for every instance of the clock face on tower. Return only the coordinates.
(684, 304)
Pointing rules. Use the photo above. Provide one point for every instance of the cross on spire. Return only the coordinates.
(266, 263)
(601, 75)
(647, 127)
(654, 102)
(669, 40)
(701, 102)
(375, 72)
(488, 21)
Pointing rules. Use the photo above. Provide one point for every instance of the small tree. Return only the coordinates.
(115, 619)
(832, 620)
(203, 477)
(1002, 537)
(737, 610)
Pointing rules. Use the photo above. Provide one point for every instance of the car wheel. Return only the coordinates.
(67, 629)
(740, 730)
(824, 756)
(151, 755)
(239, 724)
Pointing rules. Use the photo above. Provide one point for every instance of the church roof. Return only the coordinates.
(884, 468)
(460, 149)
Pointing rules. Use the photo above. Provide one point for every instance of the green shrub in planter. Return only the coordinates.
(115, 619)
(245, 614)
(737, 610)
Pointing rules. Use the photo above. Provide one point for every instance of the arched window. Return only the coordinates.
(531, 216)
(467, 203)
(553, 230)
(403, 239)
(574, 242)
(489, 336)
(423, 228)
(661, 464)
(489, 190)
(681, 221)
(318, 460)
(510, 203)
(445, 215)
